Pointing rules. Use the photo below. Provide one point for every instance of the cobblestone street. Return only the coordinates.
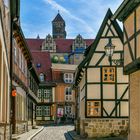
(54, 133)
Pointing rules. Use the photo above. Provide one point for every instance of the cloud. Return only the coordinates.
(81, 16)
(55, 5)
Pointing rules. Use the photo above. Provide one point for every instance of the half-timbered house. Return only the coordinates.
(129, 14)
(102, 87)
(46, 92)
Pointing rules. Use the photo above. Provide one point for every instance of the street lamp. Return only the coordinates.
(109, 50)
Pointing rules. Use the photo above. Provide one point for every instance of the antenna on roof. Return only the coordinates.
(58, 11)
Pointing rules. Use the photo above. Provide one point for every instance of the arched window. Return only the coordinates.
(41, 77)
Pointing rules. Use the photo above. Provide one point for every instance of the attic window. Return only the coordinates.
(41, 77)
(38, 65)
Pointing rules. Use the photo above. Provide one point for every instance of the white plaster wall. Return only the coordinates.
(101, 44)
(124, 109)
(93, 91)
(108, 91)
(108, 106)
(121, 88)
(95, 58)
(93, 74)
(120, 77)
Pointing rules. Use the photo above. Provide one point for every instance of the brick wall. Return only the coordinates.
(103, 127)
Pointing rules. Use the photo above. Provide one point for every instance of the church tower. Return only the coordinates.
(58, 27)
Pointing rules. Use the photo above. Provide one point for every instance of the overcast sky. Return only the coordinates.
(81, 16)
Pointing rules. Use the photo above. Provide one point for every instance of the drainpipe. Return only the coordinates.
(12, 20)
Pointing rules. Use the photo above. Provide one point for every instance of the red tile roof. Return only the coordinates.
(42, 58)
(62, 45)
(34, 44)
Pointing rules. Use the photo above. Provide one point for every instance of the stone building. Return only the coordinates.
(58, 27)
(102, 88)
(129, 14)
(4, 70)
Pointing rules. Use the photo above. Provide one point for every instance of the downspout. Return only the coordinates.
(12, 20)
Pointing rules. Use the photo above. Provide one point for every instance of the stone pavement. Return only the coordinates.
(74, 136)
(28, 135)
(54, 132)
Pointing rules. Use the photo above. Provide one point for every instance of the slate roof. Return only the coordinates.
(42, 58)
(58, 18)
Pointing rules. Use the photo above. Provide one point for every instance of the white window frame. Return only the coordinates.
(47, 110)
(20, 63)
(47, 93)
(68, 96)
(68, 77)
(68, 110)
(25, 69)
(42, 77)
(39, 93)
(39, 111)
(15, 54)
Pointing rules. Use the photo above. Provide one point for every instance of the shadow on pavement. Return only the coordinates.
(74, 136)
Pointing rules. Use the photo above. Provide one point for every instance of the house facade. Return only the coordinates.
(21, 58)
(129, 14)
(102, 88)
(46, 90)
(4, 70)
(32, 100)
(50, 55)
(63, 76)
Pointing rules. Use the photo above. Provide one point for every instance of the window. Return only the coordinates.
(68, 94)
(108, 74)
(68, 110)
(93, 108)
(39, 94)
(25, 69)
(68, 77)
(38, 110)
(38, 65)
(47, 93)
(41, 77)
(20, 63)
(46, 110)
(15, 54)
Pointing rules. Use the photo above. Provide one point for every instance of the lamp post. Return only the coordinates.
(109, 50)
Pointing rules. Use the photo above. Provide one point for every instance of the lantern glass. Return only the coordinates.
(109, 49)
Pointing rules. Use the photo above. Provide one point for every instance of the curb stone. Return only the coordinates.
(30, 138)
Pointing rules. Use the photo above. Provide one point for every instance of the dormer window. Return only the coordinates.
(38, 65)
(41, 77)
(68, 77)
